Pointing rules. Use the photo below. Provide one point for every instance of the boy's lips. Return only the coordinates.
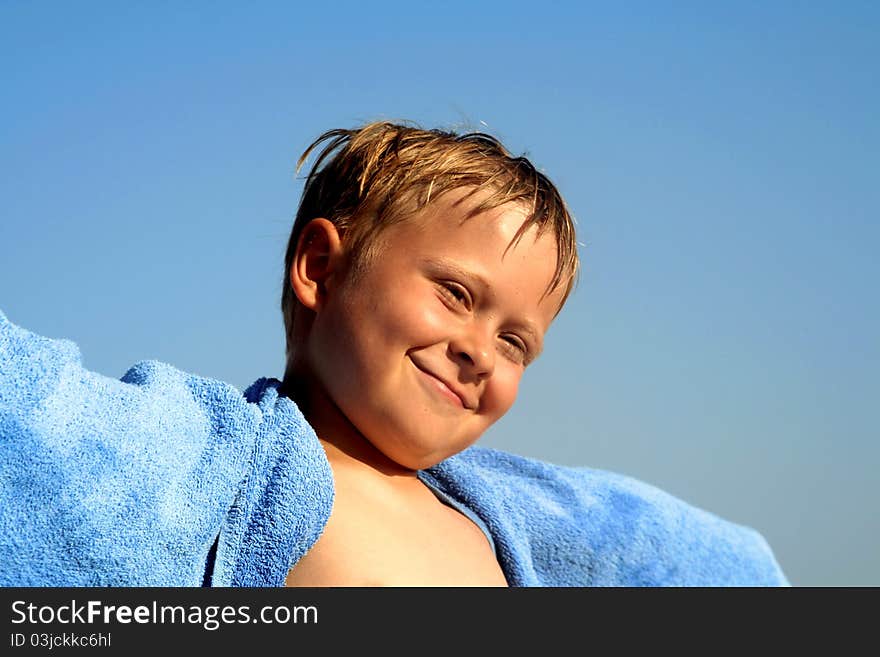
(447, 388)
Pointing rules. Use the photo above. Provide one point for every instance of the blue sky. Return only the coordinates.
(722, 164)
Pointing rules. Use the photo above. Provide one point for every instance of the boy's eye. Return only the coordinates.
(456, 294)
(515, 348)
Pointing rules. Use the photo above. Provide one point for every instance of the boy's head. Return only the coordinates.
(422, 271)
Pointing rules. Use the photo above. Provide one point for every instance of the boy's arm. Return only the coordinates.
(112, 482)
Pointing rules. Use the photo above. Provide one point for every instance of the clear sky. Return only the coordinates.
(724, 340)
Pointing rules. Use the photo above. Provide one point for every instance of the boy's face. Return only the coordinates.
(424, 349)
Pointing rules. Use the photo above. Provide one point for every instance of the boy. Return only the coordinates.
(421, 275)
(413, 306)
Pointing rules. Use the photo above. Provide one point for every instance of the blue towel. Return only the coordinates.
(560, 526)
(163, 478)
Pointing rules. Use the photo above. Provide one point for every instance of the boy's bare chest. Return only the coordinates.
(406, 539)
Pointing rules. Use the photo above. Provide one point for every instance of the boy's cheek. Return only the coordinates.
(501, 392)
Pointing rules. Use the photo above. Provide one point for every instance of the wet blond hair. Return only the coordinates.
(368, 178)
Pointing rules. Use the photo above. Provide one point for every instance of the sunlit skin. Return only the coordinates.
(405, 364)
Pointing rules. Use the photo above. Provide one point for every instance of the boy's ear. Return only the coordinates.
(318, 257)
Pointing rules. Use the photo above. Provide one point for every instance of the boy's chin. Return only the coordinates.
(420, 457)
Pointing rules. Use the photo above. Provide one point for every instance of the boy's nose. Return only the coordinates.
(474, 348)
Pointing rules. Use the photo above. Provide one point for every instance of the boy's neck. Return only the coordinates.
(344, 445)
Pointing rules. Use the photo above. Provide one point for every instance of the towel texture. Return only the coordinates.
(167, 479)
(559, 526)
(132, 482)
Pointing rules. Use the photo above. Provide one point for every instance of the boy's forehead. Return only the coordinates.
(453, 232)
(460, 213)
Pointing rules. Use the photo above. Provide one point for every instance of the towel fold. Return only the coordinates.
(163, 478)
(563, 526)
(158, 479)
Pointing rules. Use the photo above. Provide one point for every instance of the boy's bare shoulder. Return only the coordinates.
(393, 531)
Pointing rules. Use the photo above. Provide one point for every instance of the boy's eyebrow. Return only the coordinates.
(458, 270)
(525, 324)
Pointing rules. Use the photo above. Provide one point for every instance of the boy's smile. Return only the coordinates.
(423, 348)
(451, 392)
